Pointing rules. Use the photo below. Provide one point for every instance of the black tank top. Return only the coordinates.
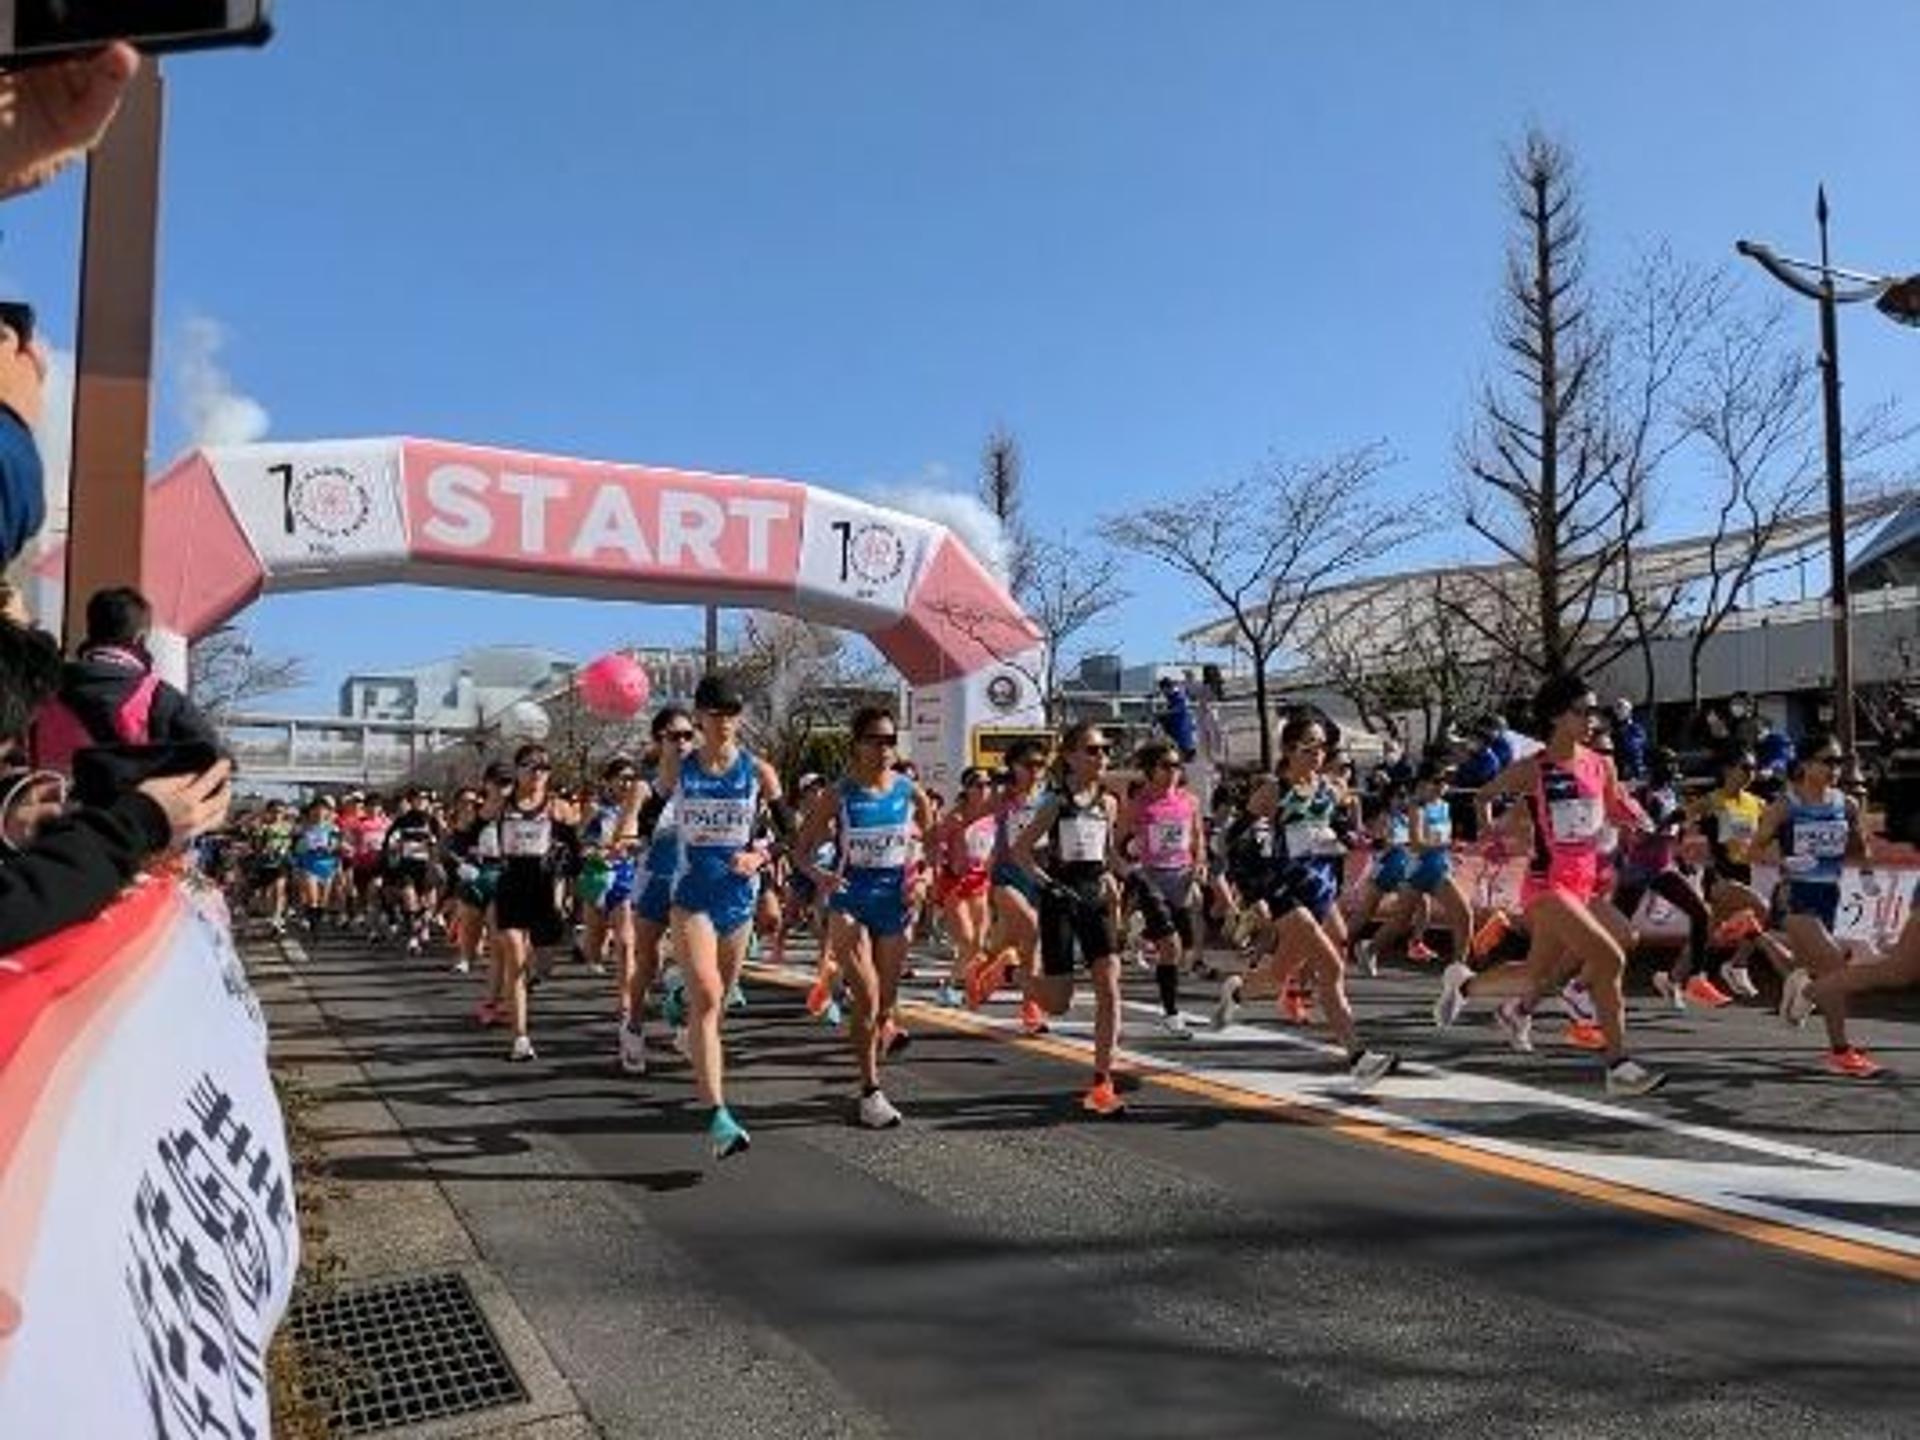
(1077, 853)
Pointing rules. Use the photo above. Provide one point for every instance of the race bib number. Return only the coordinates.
(880, 847)
(1082, 839)
(1309, 837)
(1820, 839)
(1577, 819)
(1440, 830)
(1399, 832)
(1735, 825)
(979, 844)
(1169, 845)
(715, 824)
(525, 839)
(415, 850)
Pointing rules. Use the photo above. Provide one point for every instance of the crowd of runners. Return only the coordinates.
(1064, 867)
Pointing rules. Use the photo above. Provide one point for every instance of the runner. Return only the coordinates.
(1833, 994)
(469, 897)
(1432, 873)
(533, 831)
(411, 842)
(271, 861)
(1392, 831)
(962, 850)
(1302, 891)
(363, 831)
(673, 733)
(1076, 886)
(316, 861)
(716, 792)
(1571, 792)
(1161, 825)
(1013, 896)
(1814, 830)
(1652, 865)
(1728, 816)
(872, 813)
(609, 874)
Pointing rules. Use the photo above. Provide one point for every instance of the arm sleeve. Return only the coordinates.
(75, 867)
(23, 501)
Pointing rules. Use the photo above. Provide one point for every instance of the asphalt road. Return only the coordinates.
(1004, 1265)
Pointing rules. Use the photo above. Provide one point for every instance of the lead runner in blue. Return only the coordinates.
(716, 794)
(877, 816)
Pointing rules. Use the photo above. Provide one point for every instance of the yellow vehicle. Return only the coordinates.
(990, 743)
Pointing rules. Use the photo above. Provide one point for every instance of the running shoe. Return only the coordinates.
(1175, 1027)
(1630, 1077)
(1736, 928)
(1226, 1009)
(1674, 995)
(1737, 979)
(1577, 1001)
(1103, 1099)
(1294, 1006)
(1369, 1067)
(736, 997)
(462, 966)
(1516, 1023)
(877, 1112)
(522, 1049)
(1453, 993)
(949, 995)
(1703, 991)
(413, 947)
(673, 1007)
(1421, 953)
(633, 1051)
(1033, 1020)
(726, 1135)
(1491, 932)
(1584, 1035)
(1854, 1062)
(1796, 998)
(985, 979)
(832, 1016)
(819, 994)
(894, 1039)
(1366, 956)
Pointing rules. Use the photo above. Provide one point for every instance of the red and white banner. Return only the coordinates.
(147, 1233)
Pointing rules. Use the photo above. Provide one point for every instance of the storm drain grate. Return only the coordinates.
(399, 1352)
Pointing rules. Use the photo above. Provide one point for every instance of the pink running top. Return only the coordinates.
(1569, 804)
(966, 848)
(1163, 827)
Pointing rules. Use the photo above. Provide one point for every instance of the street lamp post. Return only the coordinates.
(1896, 297)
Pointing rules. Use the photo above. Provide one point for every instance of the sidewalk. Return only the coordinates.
(392, 1221)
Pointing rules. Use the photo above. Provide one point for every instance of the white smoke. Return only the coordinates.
(966, 515)
(211, 409)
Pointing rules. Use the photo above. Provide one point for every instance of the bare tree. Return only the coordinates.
(1549, 482)
(798, 679)
(224, 672)
(1002, 491)
(1265, 548)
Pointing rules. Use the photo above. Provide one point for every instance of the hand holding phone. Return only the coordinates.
(33, 30)
(195, 804)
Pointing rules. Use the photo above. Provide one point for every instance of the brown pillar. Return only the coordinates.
(113, 365)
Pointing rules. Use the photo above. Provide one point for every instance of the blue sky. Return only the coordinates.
(840, 242)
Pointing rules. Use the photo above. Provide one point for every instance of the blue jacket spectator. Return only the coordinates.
(1629, 742)
(1177, 718)
(23, 501)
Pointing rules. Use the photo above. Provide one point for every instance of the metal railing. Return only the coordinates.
(284, 750)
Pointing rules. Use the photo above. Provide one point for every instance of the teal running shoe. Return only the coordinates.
(736, 997)
(727, 1135)
(673, 1007)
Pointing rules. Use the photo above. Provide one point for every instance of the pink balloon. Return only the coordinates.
(614, 687)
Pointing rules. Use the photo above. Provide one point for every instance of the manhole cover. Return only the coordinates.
(399, 1352)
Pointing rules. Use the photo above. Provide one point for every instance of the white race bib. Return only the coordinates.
(1820, 839)
(1169, 845)
(878, 847)
(1576, 819)
(716, 824)
(979, 844)
(525, 839)
(1311, 837)
(1082, 839)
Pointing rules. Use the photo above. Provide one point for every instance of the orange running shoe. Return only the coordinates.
(1703, 991)
(1294, 1006)
(1735, 928)
(819, 995)
(986, 977)
(1103, 1099)
(1491, 932)
(1585, 1035)
(1854, 1062)
(1421, 953)
(1033, 1020)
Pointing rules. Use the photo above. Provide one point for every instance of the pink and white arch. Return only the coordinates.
(226, 525)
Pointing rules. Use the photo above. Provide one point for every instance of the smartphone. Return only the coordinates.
(37, 30)
(103, 773)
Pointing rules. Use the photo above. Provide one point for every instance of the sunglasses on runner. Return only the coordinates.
(533, 767)
(1096, 749)
(880, 737)
(679, 737)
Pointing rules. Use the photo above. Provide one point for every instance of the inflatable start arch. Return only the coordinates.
(225, 525)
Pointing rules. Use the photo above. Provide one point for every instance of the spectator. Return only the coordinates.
(109, 692)
(23, 379)
(1629, 741)
(51, 115)
(1176, 718)
(57, 869)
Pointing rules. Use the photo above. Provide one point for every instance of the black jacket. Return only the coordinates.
(96, 685)
(75, 866)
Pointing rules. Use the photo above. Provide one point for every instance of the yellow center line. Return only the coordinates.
(1856, 1254)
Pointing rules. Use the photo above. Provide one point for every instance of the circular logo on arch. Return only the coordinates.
(330, 500)
(876, 553)
(1003, 693)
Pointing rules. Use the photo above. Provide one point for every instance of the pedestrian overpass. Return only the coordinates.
(331, 752)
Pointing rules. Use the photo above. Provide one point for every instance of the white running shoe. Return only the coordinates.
(1630, 1077)
(1370, 1067)
(1227, 1008)
(1516, 1022)
(461, 967)
(1175, 1026)
(1453, 994)
(1674, 995)
(1367, 955)
(1796, 998)
(1577, 1001)
(633, 1051)
(522, 1049)
(877, 1112)
(1737, 979)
